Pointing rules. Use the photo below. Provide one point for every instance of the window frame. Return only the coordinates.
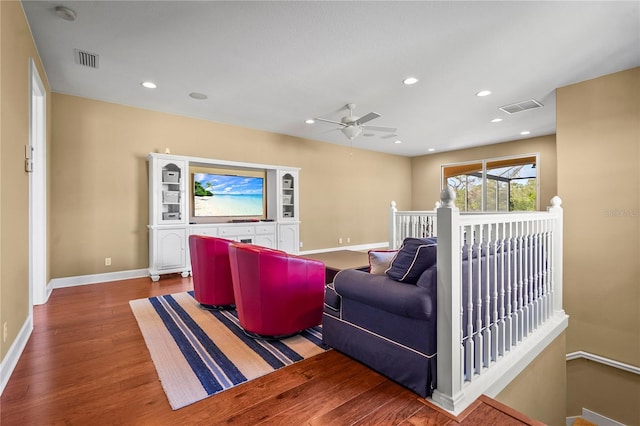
(484, 163)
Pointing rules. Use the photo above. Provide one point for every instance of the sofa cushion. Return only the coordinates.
(379, 260)
(413, 258)
(382, 293)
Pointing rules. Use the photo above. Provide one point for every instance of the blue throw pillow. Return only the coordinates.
(413, 258)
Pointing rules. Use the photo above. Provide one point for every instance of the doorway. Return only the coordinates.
(35, 153)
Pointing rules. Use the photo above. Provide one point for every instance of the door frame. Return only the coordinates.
(36, 153)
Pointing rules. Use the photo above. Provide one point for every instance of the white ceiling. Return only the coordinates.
(270, 65)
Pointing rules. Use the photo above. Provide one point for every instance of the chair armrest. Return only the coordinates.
(381, 292)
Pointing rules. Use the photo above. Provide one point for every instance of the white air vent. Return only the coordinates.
(521, 106)
(85, 59)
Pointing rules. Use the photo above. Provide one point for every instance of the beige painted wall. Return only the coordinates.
(426, 175)
(606, 390)
(99, 196)
(16, 47)
(598, 148)
(540, 390)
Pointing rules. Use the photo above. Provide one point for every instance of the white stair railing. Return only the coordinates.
(506, 293)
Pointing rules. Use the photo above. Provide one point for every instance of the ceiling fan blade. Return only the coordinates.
(329, 121)
(329, 131)
(367, 117)
(389, 136)
(381, 129)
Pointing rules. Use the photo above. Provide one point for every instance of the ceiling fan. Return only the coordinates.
(351, 126)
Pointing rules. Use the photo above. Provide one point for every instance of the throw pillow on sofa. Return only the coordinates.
(413, 258)
(379, 261)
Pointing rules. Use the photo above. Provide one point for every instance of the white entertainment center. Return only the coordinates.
(171, 210)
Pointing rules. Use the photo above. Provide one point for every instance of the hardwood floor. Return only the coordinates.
(86, 363)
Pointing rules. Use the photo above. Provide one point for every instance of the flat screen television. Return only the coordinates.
(219, 195)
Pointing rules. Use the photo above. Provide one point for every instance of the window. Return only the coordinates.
(498, 184)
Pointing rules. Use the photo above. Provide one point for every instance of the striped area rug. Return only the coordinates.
(199, 353)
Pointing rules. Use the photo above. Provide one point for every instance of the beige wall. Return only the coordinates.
(100, 181)
(605, 390)
(16, 47)
(540, 390)
(426, 175)
(598, 148)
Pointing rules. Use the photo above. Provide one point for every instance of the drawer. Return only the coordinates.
(265, 229)
(234, 231)
(204, 230)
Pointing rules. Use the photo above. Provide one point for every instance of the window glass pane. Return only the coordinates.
(466, 182)
(516, 183)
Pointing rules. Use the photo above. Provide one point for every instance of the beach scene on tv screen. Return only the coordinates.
(227, 195)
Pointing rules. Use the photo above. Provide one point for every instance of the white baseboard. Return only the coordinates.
(603, 360)
(594, 418)
(97, 278)
(358, 247)
(10, 360)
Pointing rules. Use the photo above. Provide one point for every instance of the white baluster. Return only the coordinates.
(509, 331)
(501, 315)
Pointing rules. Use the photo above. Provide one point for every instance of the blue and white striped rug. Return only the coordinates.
(199, 353)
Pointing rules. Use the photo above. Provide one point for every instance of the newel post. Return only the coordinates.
(392, 226)
(449, 366)
(556, 207)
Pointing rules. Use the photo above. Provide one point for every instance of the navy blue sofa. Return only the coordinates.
(388, 324)
(388, 321)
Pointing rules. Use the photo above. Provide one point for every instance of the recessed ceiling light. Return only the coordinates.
(65, 13)
(398, 141)
(310, 121)
(496, 120)
(410, 80)
(526, 132)
(431, 149)
(149, 85)
(483, 93)
(198, 96)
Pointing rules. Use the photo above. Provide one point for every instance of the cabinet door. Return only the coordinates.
(170, 248)
(288, 238)
(267, 240)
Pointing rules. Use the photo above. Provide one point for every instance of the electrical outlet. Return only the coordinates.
(339, 240)
(301, 244)
(348, 239)
(107, 261)
(5, 331)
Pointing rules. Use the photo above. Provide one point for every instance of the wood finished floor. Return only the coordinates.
(86, 363)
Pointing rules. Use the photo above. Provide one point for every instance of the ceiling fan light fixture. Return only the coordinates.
(351, 131)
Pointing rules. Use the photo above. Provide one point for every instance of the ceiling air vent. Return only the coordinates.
(85, 59)
(521, 106)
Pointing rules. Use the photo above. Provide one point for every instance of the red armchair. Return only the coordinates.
(277, 294)
(211, 271)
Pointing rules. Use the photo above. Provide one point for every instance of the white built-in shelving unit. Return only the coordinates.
(170, 211)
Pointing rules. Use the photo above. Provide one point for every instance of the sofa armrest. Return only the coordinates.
(382, 292)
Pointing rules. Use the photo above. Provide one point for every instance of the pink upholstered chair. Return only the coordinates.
(277, 294)
(212, 284)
